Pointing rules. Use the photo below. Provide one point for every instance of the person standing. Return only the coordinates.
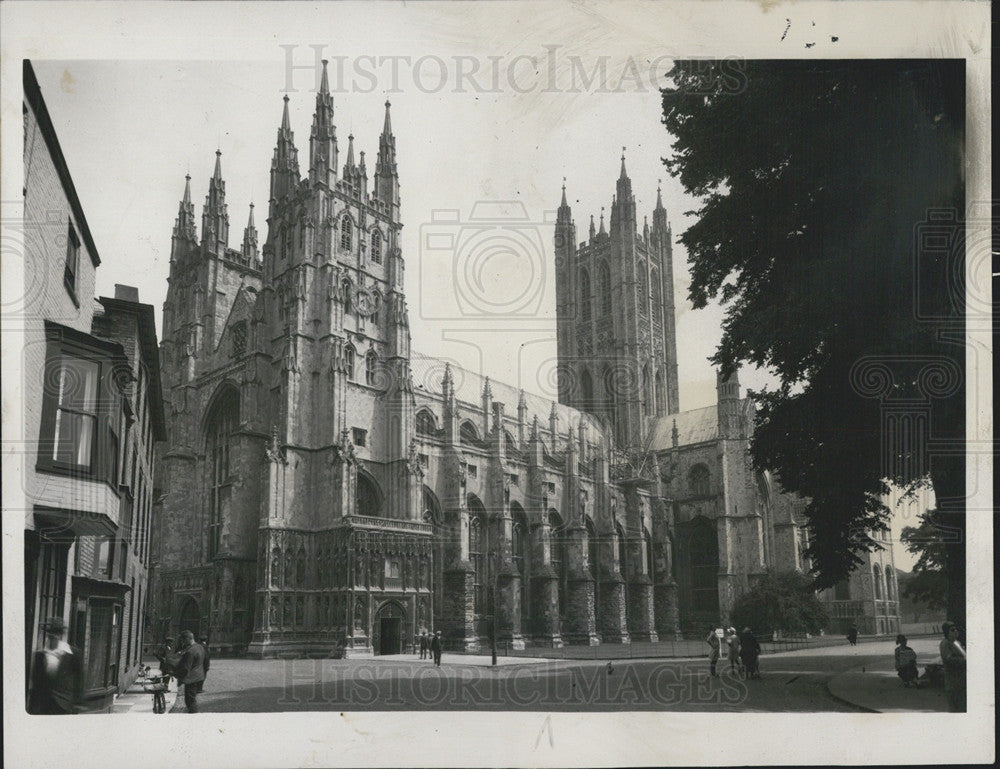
(906, 662)
(436, 648)
(733, 642)
(852, 635)
(56, 674)
(190, 670)
(953, 659)
(750, 653)
(423, 644)
(208, 659)
(714, 646)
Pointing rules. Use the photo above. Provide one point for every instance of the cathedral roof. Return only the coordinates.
(428, 373)
(695, 426)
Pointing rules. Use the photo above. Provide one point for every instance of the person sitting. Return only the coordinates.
(906, 663)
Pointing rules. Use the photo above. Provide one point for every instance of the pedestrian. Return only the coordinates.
(906, 662)
(208, 660)
(953, 659)
(733, 642)
(423, 644)
(164, 654)
(852, 635)
(436, 647)
(56, 674)
(190, 670)
(714, 647)
(750, 653)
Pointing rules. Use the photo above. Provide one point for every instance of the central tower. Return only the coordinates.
(616, 336)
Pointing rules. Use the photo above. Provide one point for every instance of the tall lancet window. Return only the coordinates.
(221, 428)
(585, 296)
(604, 286)
(376, 247)
(346, 233)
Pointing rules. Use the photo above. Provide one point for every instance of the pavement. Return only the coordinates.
(875, 687)
(137, 700)
(836, 677)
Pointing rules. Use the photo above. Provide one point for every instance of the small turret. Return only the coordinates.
(323, 138)
(215, 214)
(250, 239)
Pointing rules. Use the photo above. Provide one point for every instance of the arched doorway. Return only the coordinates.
(190, 618)
(387, 629)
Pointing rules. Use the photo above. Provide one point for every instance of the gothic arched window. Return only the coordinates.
(519, 552)
(877, 573)
(376, 307)
(425, 423)
(661, 396)
(346, 232)
(467, 433)
(700, 481)
(371, 368)
(376, 247)
(349, 356)
(620, 549)
(477, 555)
(604, 287)
(220, 430)
(585, 296)
(647, 392)
(654, 279)
(369, 499)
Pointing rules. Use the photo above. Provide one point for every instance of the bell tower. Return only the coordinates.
(615, 316)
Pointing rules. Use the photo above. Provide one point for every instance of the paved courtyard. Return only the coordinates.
(791, 681)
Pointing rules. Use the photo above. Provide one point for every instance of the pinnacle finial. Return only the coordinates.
(623, 175)
(324, 84)
(218, 164)
(285, 122)
(387, 125)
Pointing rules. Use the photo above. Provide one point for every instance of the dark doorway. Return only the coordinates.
(391, 630)
(190, 618)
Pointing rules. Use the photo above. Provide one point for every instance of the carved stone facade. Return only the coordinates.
(363, 493)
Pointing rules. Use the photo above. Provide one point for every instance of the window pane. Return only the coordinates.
(74, 438)
(78, 385)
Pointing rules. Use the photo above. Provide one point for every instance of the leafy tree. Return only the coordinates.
(783, 601)
(928, 583)
(815, 182)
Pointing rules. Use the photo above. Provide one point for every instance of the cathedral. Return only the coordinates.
(324, 489)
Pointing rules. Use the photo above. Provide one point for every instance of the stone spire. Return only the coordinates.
(602, 230)
(349, 168)
(215, 214)
(660, 213)
(564, 215)
(184, 227)
(592, 230)
(285, 162)
(323, 138)
(250, 238)
(386, 178)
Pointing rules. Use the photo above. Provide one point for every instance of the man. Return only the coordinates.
(714, 645)
(190, 670)
(165, 656)
(208, 659)
(953, 660)
(423, 644)
(750, 653)
(733, 642)
(436, 648)
(56, 674)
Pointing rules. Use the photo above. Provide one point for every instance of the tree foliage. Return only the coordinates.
(815, 182)
(928, 583)
(782, 601)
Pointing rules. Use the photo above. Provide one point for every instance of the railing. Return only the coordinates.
(846, 609)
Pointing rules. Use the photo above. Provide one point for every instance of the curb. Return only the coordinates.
(844, 700)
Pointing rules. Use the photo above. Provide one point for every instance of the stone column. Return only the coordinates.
(611, 610)
(581, 624)
(545, 589)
